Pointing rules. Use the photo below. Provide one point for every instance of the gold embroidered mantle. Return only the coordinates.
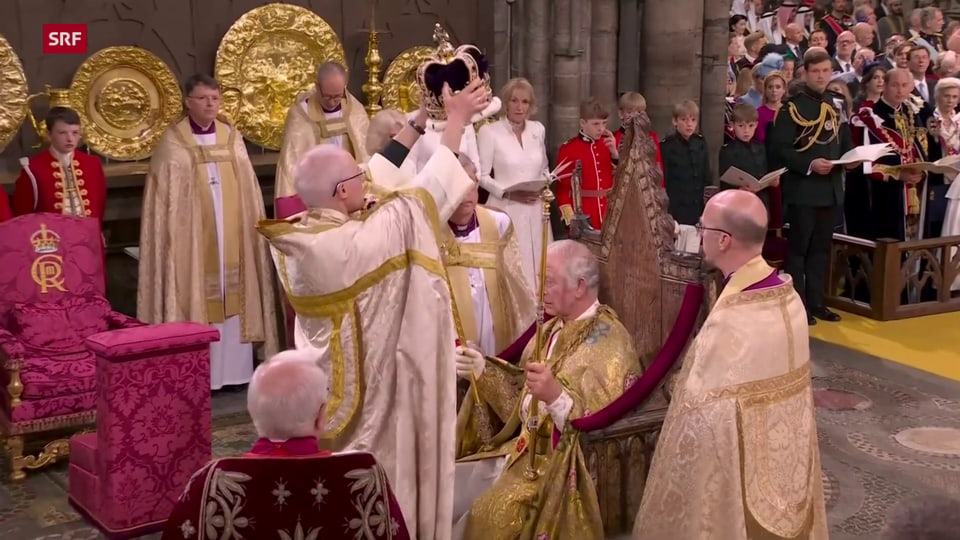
(305, 129)
(743, 397)
(512, 304)
(372, 299)
(176, 254)
(594, 360)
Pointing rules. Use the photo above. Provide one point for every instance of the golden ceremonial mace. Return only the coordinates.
(533, 416)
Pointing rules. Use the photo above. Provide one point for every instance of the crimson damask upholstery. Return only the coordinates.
(153, 426)
(51, 299)
(344, 496)
(285, 207)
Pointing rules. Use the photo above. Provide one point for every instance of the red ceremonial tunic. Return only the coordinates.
(5, 212)
(656, 144)
(46, 187)
(596, 179)
(300, 446)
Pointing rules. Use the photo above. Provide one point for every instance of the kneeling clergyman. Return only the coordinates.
(738, 458)
(371, 296)
(482, 256)
(328, 115)
(200, 256)
(589, 361)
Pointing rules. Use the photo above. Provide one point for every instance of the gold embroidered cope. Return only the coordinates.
(744, 397)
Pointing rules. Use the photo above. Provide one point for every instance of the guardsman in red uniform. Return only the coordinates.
(595, 147)
(61, 179)
(632, 104)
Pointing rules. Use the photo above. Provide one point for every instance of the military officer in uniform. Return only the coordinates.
(803, 137)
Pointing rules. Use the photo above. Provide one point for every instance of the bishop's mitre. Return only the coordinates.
(456, 67)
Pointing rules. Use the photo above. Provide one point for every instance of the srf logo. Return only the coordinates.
(64, 39)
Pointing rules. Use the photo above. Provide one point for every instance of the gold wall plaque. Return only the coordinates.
(270, 55)
(400, 89)
(126, 98)
(13, 93)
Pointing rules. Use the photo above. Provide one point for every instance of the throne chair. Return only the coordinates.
(333, 497)
(53, 298)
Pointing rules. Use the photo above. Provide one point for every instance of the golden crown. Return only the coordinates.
(456, 67)
(45, 241)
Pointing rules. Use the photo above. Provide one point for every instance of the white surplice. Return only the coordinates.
(336, 140)
(231, 361)
(478, 288)
(951, 222)
(429, 142)
(504, 163)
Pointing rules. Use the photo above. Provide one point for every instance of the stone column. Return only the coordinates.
(603, 54)
(567, 70)
(714, 76)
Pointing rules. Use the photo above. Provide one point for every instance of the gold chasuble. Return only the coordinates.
(738, 458)
(594, 360)
(510, 302)
(307, 126)
(372, 298)
(180, 252)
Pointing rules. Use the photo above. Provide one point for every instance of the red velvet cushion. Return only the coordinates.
(45, 329)
(62, 375)
(87, 314)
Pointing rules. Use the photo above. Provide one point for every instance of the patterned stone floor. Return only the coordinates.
(887, 433)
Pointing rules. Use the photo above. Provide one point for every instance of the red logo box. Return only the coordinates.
(64, 39)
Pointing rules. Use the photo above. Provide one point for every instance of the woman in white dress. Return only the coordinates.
(947, 96)
(513, 152)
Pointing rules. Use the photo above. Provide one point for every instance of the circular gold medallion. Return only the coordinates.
(268, 57)
(400, 88)
(13, 93)
(126, 97)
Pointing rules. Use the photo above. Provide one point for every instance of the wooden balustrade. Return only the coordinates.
(889, 280)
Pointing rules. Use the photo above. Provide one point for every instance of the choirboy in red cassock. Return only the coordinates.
(596, 179)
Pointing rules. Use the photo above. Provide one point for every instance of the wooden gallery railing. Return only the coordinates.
(888, 279)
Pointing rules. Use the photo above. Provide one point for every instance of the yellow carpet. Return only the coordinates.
(931, 343)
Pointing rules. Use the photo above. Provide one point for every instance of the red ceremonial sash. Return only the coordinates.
(833, 24)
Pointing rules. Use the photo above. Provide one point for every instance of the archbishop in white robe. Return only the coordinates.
(372, 298)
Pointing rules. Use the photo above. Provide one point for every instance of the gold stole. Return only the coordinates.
(223, 299)
(331, 127)
(459, 258)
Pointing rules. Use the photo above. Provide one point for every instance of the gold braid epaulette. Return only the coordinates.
(827, 114)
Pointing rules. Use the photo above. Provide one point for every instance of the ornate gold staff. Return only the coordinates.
(533, 416)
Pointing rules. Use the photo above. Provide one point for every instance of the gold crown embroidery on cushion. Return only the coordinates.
(457, 67)
(45, 240)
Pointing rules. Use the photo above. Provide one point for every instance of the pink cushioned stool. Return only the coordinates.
(153, 426)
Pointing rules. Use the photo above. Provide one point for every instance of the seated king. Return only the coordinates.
(529, 479)
(327, 115)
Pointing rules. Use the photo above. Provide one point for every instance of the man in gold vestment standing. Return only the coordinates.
(480, 250)
(200, 256)
(328, 115)
(737, 458)
(372, 298)
(589, 361)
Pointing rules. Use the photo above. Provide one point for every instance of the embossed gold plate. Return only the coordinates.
(268, 57)
(126, 97)
(13, 93)
(400, 89)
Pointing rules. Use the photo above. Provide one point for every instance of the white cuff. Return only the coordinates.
(560, 409)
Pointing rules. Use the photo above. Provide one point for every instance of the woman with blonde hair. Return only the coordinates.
(947, 96)
(513, 152)
(774, 89)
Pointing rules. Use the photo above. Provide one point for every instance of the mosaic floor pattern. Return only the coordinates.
(887, 433)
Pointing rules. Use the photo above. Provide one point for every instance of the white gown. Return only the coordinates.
(231, 361)
(951, 223)
(428, 143)
(501, 155)
(478, 288)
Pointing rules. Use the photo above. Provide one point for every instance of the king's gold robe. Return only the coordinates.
(185, 271)
(307, 125)
(738, 458)
(372, 298)
(497, 310)
(594, 360)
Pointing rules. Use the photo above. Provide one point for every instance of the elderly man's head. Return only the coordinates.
(732, 229)
(329, 177)
(468, 207)
(572, 281)
(331, 85)
(287, 396)
(383, 126)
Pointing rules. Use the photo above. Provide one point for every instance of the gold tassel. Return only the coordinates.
(913, 201)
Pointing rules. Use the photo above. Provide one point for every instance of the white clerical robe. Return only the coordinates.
(506, 162)
(428, 143)
(372, 300)
(951, 223)
(231, 361)
(478, 287)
